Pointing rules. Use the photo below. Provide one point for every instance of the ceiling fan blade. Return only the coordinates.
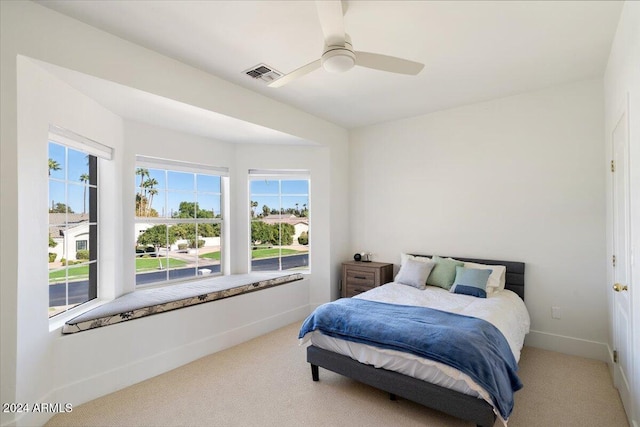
(296, 74)
(331, 18)
(388, 63)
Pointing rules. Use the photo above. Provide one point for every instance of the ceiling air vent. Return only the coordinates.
(263, 72)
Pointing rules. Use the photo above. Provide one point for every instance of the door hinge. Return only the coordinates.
(615, 356)
(613, 166)
(613, 260)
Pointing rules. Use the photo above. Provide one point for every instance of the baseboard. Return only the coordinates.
(568, 345)
(140, 370)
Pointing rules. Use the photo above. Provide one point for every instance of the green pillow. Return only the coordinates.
(444, 273)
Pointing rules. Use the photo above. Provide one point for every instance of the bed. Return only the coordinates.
(421, 379)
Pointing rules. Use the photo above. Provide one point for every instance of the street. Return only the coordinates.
(78, 290)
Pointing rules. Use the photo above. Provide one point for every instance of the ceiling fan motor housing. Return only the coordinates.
(338, 59)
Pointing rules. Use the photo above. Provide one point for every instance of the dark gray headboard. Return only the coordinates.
(515, 272)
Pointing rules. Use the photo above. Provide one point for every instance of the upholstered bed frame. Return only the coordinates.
(442, 399)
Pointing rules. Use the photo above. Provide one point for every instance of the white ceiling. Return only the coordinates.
(144, 107)
(472, 51)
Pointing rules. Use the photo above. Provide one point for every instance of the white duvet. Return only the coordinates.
(504, 309)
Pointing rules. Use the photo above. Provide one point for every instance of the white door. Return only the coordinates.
(621, 271)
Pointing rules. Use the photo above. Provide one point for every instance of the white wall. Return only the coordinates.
(42, 366)
(519, 178)
(622, 86)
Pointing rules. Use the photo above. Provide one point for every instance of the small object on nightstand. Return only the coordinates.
(358, 277)
(357, 257)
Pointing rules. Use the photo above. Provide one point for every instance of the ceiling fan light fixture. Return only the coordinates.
(338, 60)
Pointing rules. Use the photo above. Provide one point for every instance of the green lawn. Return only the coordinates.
(81, 272)
(212, 255)
(142, 264)
(273, 252)
(145, 264)
(258, 253)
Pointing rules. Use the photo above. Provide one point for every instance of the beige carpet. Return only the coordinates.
(266, 382)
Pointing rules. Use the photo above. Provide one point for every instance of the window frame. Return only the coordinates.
(279, 175)
(168, 165)
(95, 152)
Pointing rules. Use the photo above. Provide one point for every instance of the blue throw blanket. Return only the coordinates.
(473, 346)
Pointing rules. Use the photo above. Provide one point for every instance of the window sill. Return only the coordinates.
(146, 302)
(57, 322)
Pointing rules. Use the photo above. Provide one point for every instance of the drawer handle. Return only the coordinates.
(360, 277)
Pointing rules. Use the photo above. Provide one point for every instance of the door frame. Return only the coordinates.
(633, 377)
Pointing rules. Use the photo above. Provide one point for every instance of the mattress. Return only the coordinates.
(504, 309)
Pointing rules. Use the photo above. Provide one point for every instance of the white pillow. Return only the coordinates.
(497, 278)
(415, 273)
(404, 257)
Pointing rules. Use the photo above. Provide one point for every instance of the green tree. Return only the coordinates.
(253, 205)
(286, 233)
(265, 210)
(260, 232)
(274, 234)
(60, 208)
(157, 236)
(192, 210)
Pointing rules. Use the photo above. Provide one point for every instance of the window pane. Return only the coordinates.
(208, 183)
(57, 198)
(150, 196)
(189, 248)
(265, 187)
(261, 206)
(78, 198)
(57, 161)
(295, 187)
(294, 205)
(181, 205)
(279, 226)
(208, 205)
(72, 200)
(151, 253)
(78, 166)
(158, 178)
(180, 181)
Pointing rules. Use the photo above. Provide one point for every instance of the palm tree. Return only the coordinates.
(149, 191)
(253, 206)
(53, 166)
(141, 197)
(84, 178)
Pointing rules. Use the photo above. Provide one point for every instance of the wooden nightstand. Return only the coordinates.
(359, 276)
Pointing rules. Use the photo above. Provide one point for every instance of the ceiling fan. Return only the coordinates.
(338, 55)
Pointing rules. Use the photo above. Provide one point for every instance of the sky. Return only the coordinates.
(277, 194)
(172, 187)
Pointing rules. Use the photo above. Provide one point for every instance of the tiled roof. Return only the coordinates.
(57, 222)
(287, 219)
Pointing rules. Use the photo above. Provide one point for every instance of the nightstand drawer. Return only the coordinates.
(353, 290)
(359, 277)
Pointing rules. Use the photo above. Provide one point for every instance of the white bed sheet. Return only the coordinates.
(504, 309)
